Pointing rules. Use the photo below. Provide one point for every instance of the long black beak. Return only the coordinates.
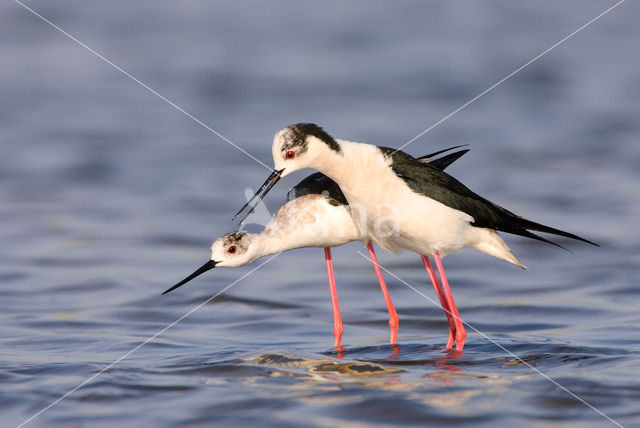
(202, 269)
(271, 181)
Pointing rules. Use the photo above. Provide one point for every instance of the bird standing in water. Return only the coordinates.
(316, 215)
(400, 203)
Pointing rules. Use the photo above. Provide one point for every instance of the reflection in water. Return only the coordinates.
(378, 368)
(387, 366)
(445, 368)
(349, 369)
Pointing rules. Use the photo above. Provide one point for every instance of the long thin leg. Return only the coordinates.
(393, 315)
(337, 319)
(461, 333)
(443, 300)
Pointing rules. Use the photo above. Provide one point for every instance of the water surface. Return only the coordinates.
(109, 195)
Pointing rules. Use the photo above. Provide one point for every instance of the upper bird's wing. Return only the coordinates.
(431, 156)
(443, 162)
(319, 183)
(436, 184)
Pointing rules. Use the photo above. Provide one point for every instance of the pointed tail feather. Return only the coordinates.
(506, 221)
(531, 225)
(527, 234)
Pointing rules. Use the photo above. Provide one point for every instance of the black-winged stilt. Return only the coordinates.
(399, 202)
(316, 215)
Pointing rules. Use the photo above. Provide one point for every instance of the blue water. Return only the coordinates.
(109, 195)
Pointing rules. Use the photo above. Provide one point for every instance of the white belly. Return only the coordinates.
(388, 212)
(406, 220)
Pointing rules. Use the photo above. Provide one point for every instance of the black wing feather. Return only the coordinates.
(443, 162)
(425, 179)
(318, 183)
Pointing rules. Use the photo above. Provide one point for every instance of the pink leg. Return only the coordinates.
(443, 301)
(461, 334)
(393, 316)
(337, 319)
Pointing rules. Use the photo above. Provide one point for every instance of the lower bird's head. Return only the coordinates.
(231, 250)
(234, 249)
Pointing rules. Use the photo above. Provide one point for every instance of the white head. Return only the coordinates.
(233, 249)
(302, 146)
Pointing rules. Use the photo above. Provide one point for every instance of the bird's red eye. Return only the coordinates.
(290, 155)
(232, 249)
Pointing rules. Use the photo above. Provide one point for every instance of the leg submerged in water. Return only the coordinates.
(393, 315)
(337, 319)
(460, 333)
(443, 301)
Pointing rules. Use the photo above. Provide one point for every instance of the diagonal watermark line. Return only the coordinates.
(493, 341)
(508, 76)
(147, 87)
(148, 340)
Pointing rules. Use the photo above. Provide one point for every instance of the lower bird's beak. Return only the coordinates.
(271, 181)
(202, 269)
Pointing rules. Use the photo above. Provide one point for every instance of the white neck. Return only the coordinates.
(269, 243)
(358, 164)
(334, 164)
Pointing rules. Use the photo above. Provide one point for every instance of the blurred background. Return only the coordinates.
(109, 195)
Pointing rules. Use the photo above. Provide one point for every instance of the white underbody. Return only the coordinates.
(387, 211)
(310, 221)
